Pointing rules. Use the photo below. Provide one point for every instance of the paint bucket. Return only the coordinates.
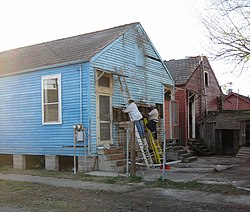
(167, 167)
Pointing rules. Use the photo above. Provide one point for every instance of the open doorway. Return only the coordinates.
(247, 134)
(229, 139)
(191, 115)
(104, 114)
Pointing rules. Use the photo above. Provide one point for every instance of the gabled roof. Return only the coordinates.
(244, 98)
(183, 69)
(70, 50)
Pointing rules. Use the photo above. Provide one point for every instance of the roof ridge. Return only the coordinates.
(186, 58)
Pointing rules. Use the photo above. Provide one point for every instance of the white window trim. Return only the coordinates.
(58, 76)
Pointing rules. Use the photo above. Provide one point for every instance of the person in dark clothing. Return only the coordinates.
(153, 118)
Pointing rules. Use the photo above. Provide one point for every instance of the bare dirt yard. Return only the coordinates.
(39, 190)
(23, 196)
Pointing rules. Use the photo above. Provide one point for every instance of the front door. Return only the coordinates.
(104, 107)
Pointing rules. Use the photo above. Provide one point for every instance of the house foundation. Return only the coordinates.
(19, 161)
(52, 162)
(87, 164)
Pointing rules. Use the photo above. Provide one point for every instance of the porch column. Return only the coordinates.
(90, 162)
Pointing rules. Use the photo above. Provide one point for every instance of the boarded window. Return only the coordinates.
(139, 56)
(104, 81)
(51, 99)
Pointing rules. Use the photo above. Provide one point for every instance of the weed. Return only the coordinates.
(135, 179)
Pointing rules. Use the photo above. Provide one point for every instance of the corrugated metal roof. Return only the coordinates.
(182, 69)
(67, 50)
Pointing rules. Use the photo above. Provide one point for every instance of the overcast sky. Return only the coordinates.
(172, 26)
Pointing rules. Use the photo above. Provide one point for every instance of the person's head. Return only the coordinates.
(152, 107)
(130, 101)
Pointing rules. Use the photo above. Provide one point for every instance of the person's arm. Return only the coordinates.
(127, 109)
(151, 113)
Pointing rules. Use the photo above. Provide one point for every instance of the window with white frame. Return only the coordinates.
(51, 99)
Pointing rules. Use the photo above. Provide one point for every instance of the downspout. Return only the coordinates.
(170, 119)
(89, 116)
(81, 121)
(80, 93)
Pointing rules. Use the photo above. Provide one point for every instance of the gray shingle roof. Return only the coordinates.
(67, 50)
(182, 69)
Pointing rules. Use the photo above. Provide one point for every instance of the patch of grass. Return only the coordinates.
(159, 183)
(35, 196)
(110, 180)
(135, 179)
(64, 175)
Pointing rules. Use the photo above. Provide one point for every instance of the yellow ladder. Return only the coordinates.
(155, 145)
(143, 144)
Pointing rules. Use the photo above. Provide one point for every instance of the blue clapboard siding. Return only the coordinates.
(21, 129)
(146, 84)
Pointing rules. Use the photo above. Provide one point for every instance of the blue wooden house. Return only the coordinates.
(46, 88)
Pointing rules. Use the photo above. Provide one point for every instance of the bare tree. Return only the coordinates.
(227, 24)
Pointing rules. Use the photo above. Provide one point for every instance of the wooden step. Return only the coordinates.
(244, 152)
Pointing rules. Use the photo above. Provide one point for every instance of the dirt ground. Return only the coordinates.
(33, 193)
(39, 197)
(213, 169)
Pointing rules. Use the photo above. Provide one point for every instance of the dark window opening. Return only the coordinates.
(247, 134)
(167, 95)
(206, 78)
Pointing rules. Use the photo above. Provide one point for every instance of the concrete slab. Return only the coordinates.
(106, 174)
